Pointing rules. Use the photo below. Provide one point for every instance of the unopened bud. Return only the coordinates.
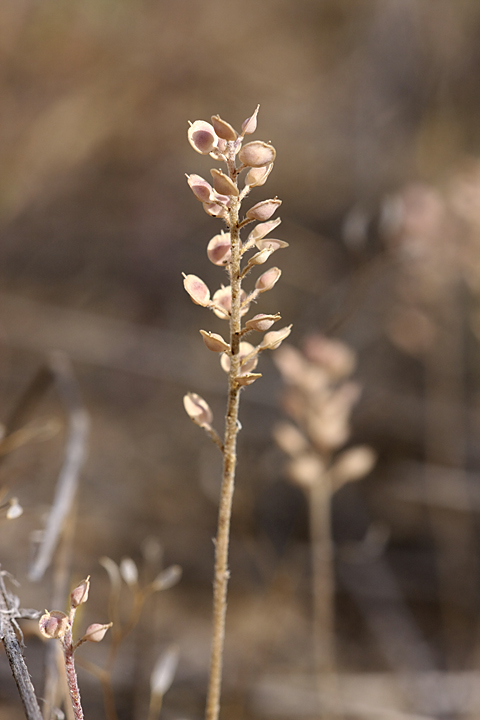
(214, 342)
(198, 409)
(258, 176)
(96, 632)
(219, 249)
(223, 129)
(274, 338)
(263, 210)
(267, 280)
(257, 154)
(250, 124)
(53, 624)
(196, 288)
(262, 322)
(262, 229)
(80, 594)
(202, 137)
(223, 184)
(200, 188)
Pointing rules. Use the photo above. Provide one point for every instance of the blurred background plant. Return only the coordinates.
(373, 107)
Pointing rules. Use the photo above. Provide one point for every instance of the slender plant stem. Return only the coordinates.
(229, 463)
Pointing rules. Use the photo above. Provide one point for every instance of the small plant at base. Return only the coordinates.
(239, 358)
(59, 626)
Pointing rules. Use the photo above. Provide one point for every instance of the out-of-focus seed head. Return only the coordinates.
(202, 190)
(353, 464)
(96, 632)
(129, 571)
(214, 342)
(202, 137)
(262, 322)
(222, 183)
(262, 229)
(258, 176)
(289, 439)
(257, 154)
(267, 280)
(53, 624)
(198, 409)
(80, 594)
(274, 338)
(263, 210)
(250, 124)
(219, 249)
(223, 129)
(196, 288)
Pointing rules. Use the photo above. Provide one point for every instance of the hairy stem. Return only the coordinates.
(229, 463)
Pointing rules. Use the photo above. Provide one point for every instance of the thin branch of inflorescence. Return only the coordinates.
(238, 358)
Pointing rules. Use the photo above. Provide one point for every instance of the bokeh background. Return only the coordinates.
(373, 108)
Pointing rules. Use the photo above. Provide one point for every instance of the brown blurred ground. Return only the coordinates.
(360, 98)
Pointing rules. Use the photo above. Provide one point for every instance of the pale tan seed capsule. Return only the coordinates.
(263, 210)
(197, 409)
(262, 229)
(223, 129)
(257, 154)
(219, 250)
(202, 137)
(202, 190)
(247, 379)
(80, 594)
(274, 338)
(53, 624)
(96, 632)
(250, 124)
(262, 322)
(214, 342)
(267, 280)
(271, 243)
(258, 176)
(196, 288)
(223, 184)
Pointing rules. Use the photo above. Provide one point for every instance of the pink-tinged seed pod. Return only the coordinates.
(202, 137)
(96, 632)
(245, 349)
(258, 176)
(263, 210)
(202, 190)
(223, 129)
(267, 280)
(53, 624)
(250, 124)
(262, 322)
(271, 244)
(262, 229)
(247, 379)
(257, 154)
(214, 342)
(219, 249)
(222, 299)
(274, 338)
(80, 594)
(196, 288)
(222, 183)
(197, 409)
